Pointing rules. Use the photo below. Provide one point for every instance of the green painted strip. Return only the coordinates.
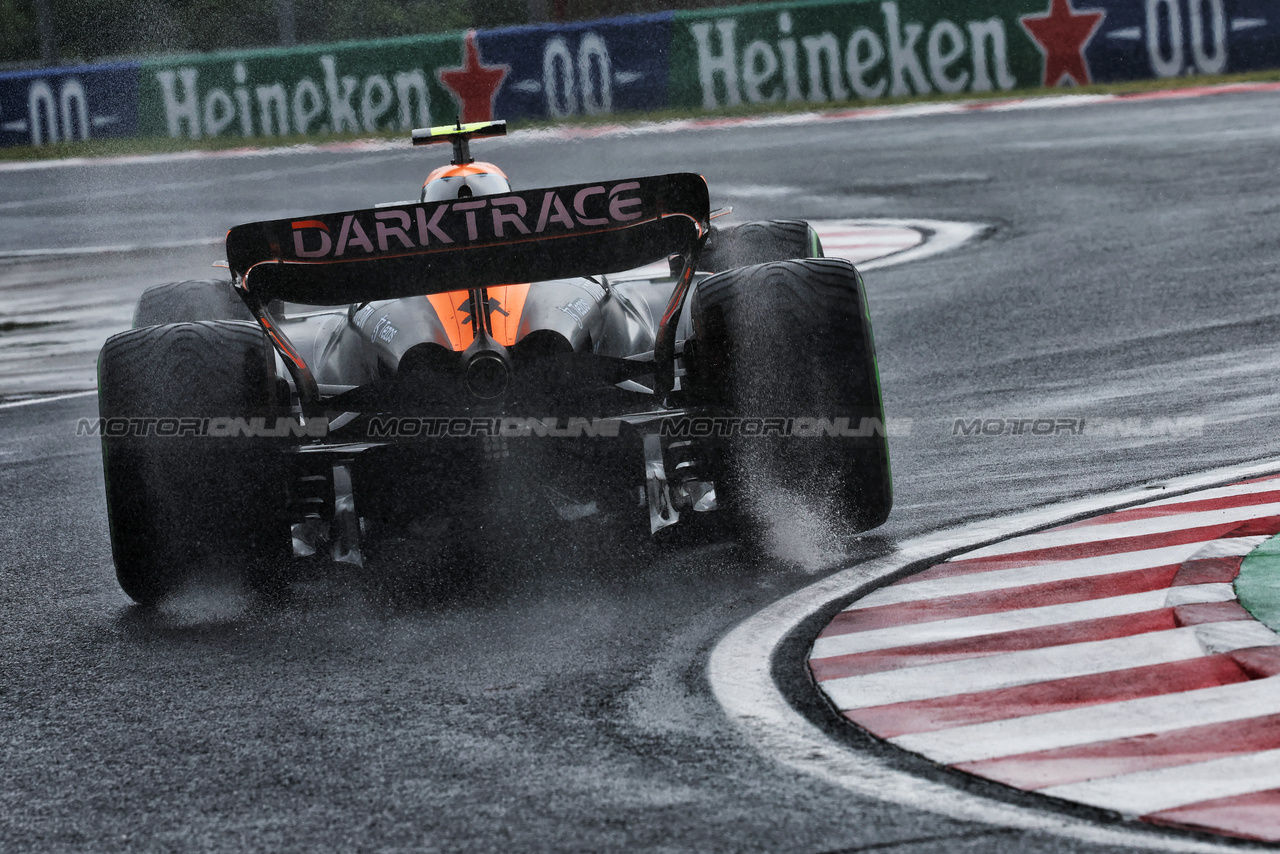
(1258, 585)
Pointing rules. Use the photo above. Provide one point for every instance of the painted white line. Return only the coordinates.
(1011, 669)
(1146, 792)
(944, 237)
(914, 634)
(867, 243)
(1196, 593)
(1023, 576)
(1103, 532)
(1233, 491)
(869, 248)
(1090, 724)
(757, 191)
(867, 240)
(358, 145)
(1234, 634)
(1229, 547)
(740, 675)
(1051, 102)
(864, 234)
(103, 250)
(14, 404)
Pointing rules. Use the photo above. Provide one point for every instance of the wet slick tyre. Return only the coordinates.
(791, 341)
(181, 506)
(759, 243)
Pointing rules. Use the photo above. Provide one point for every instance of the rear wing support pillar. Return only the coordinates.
(303, 380)
(664, 350)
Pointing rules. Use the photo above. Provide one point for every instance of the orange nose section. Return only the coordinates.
(506, 304)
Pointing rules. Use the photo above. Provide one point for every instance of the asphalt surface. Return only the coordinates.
(1129, 279)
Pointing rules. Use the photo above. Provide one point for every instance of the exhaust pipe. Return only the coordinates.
(487, 367)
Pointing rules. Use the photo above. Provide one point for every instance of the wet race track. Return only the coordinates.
(1127, 280)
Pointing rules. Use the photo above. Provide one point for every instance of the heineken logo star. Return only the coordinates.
(474, 85)
(1062, 34)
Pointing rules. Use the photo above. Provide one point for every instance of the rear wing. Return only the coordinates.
(433, 247)
(461, 244)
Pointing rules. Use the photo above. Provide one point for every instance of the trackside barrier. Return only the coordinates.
(836, 51)
(61, 104)
(813, 52)
(337, 88)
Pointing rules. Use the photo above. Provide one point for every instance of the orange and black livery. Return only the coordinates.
(379, 375)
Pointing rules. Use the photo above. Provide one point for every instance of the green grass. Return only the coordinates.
(1258, 584)
(160, 145)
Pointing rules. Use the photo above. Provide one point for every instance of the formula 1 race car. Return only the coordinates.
(596, 349)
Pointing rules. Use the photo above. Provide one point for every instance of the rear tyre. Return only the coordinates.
(759, 243)
(198, 299)
(183, 506)
(792, 340)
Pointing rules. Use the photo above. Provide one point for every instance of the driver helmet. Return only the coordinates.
(465, 181)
